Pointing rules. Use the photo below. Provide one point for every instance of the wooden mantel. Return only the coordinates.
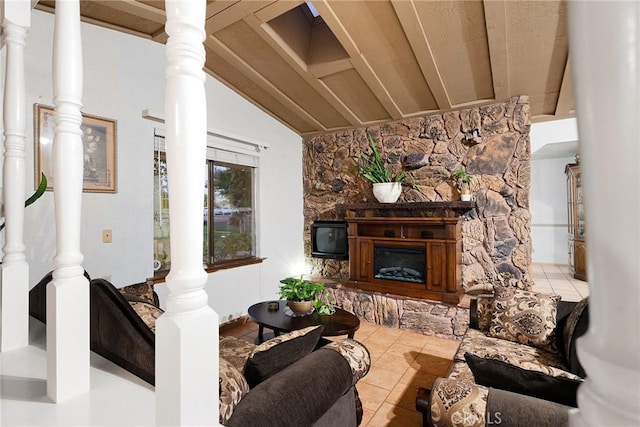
(443, 209)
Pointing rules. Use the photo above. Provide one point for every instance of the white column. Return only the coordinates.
(68, 293)
(187, 334)
(14, 275)
(605, 50)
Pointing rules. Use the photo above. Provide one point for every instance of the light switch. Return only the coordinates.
(106, 235)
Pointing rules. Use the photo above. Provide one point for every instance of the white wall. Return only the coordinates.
(122, 76)
(553, 145)
(548, 206)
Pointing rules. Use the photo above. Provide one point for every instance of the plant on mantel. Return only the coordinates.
(463, 180)
(373, 168)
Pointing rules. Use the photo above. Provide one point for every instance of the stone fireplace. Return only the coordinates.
(495, 229)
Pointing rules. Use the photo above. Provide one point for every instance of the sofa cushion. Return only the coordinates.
(524, 317)
(143, 291)
(521, 355)
(147, 312)
(233, 387)
(576, 325)
(484, 309)
(458, 403)
(273, 355)
(236, 351)
(502, 375)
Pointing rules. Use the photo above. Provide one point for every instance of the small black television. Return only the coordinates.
(329, 240)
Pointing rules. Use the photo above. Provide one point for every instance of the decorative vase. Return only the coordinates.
(387, 192)
(300, 307)
(465, 196)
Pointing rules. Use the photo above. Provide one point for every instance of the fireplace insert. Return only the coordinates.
(400, 263)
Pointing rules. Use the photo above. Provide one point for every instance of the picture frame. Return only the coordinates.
(99, 140)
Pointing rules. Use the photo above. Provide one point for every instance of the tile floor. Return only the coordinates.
(402, 360)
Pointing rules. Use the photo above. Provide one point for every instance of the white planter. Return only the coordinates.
(387, 192)
(465, 197)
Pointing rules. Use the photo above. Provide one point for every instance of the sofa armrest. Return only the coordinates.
(518, 410)
(298, 395)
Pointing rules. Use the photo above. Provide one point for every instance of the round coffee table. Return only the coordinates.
(339, 323)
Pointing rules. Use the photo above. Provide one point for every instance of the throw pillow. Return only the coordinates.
(523, 316)
(502, 375)
(273, 355)
(484, 308)
(233, 387)
(576, 325)
(147, 312)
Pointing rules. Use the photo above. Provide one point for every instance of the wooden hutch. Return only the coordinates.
(575, 208)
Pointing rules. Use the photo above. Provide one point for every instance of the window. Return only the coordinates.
(229, 195)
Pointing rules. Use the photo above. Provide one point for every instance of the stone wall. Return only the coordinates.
(421, 316)
(496, 234)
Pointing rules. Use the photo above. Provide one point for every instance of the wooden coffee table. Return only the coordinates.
(340, 323)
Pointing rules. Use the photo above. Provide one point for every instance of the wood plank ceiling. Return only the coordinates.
(364, 62)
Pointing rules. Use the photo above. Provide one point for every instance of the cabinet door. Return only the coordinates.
(436, 266)
(364, 261)
(580, 260)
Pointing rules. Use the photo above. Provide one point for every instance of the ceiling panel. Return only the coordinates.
(366, 61)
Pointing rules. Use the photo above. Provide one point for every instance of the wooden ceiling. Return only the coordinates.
(364, 62)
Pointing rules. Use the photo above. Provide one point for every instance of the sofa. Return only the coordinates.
(295, 379)
(516, 364)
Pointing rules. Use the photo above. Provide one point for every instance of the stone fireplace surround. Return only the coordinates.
(496, 236)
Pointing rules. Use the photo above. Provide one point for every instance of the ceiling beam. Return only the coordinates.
(360, 63)
(495, 15)
(233, 14)
(412, 27)
(276, 9)
(248, 71)
(138, 9)
(218, 6)
(565, 103)
(299, 66)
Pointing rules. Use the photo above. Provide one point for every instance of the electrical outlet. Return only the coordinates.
(106, 235)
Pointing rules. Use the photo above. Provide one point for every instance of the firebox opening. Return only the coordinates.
(404, 264)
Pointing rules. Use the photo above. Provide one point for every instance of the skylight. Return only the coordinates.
(312, 9)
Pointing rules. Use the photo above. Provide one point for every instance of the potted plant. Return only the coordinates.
(300, 294)
(463, 180)
(386, 186)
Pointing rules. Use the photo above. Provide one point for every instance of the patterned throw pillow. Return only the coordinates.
(233, 387)
(274, 355)
(148, 312)
(484, 309)
(458, 403)
(140, 290)
(523, 316)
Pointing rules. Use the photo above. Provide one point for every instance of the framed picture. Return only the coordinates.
(99, 147)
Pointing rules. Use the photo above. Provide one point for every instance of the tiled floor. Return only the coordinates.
(402, 360)
(557, 279)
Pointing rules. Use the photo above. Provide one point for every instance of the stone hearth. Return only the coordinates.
(417, 315)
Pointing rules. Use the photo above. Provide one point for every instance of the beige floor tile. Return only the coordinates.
(441, 347)
(381, 339)
(382, 377)
(367, 414)
(395, 416)
(375, 350)
(412, 339)
(371, 396)
(431, 363)
(415, 378)
(404, 351)
(365, 330)
(394, 362)
(403, 395)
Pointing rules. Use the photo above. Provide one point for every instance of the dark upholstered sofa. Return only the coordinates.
(291, 380)
(516, 365)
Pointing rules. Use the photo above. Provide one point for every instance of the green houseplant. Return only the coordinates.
(386, 186)
(35, 196)
(301, 294)
(463, 180)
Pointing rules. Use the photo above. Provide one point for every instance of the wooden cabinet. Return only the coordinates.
(577, 226)
(415, 257)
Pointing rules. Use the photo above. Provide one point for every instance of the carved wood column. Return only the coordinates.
(14, 276)
(187, 333)
(605, 50)
(68, 292)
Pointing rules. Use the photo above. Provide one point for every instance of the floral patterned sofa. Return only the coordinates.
(516, 364)
(292, 380)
